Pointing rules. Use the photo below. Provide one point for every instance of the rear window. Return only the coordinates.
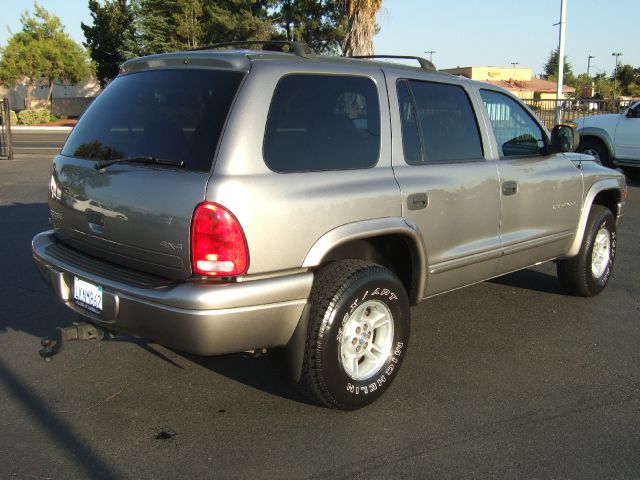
(438, 123)
(174, 115)
(323, 122)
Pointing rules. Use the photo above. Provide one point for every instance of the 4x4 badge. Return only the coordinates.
(170, 246)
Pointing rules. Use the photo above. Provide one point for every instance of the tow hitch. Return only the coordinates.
(76, 331)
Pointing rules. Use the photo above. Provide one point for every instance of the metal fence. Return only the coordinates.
(6, 146)
(570, 109)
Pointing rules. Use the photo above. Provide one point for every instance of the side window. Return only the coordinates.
(411, 143)
(438, 123)
(323, 122)
(517, 134)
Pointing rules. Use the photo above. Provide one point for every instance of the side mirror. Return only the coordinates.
(564, 138)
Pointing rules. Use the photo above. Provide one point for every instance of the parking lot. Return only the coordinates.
(508, 378)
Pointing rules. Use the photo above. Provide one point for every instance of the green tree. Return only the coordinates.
(626, 76)
(229, 20)
(602, 85)
(155, 26)
(633, 89)
(551, 68)
(109, 36)
(361, 25)
(169, 25)
(43, 49)
(188, 18)
(583, 84)
(318, 23)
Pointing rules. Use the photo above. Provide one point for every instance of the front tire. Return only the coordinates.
(588, 273)
(597, 149)
(358, 334)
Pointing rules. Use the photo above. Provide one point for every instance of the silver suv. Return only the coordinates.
(256, 199)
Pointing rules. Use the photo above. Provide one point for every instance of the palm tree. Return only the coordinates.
(361, 25)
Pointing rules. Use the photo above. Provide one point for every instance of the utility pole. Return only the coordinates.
(587, 90)
(563, 21)
(615, 73)
(515, 63)
(430, 52)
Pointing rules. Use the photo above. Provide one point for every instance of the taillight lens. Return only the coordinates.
(218, 246)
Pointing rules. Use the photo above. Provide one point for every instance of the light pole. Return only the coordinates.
(589, 63)
(615, 74)
(430, 52)
(559, 96)
(514, 64)
(587, 90)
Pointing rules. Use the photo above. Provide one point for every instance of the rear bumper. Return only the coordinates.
(200, 318)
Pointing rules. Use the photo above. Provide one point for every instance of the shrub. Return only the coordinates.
(34, 116)
(13, 118)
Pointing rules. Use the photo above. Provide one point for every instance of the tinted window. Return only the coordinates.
(322, 122)
(515, 131)
(411, 143)
(445, 122)
(174, 115)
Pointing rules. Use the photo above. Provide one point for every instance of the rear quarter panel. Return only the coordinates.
(283, 215)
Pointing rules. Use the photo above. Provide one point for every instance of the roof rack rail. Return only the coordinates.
(298, 48)
(424, 63)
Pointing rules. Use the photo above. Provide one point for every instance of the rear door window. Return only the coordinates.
(323, 122)
(175, 115)
(438, 123)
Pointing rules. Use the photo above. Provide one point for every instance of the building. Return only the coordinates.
(70, 100)
(519, 81)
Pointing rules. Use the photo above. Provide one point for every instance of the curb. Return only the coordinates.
(36, 129)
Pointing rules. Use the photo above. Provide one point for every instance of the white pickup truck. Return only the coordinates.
(614, 140)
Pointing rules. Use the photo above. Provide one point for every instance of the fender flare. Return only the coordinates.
(596, 188)
(376, 227)
(601, 134)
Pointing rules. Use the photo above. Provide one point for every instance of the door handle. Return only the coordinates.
(509, 188)
(417, 201)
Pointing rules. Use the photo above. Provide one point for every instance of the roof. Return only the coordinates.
(240, 60)
(533, 85)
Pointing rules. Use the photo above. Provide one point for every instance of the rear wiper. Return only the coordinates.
(138, 159)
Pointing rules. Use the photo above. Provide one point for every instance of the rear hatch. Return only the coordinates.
(125, 186)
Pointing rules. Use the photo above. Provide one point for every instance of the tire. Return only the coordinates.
(587, 273)
(350, 360)
(597, 149)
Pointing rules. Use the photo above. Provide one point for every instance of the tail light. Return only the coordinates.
(218, 245)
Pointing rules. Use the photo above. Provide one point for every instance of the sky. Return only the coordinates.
(461, 32)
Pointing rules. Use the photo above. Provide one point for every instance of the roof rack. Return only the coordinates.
(298, 48)
(424, 63)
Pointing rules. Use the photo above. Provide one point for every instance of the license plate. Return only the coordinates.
(87, 295)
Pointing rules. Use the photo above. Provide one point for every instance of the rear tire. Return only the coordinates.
(588, 273)
(358, 334)
(596, 148)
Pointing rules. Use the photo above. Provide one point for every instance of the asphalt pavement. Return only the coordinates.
(506, 379)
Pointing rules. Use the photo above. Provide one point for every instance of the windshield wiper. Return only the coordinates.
(146, 160)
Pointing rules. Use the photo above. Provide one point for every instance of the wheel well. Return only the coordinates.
(608, 199)
(391, 251)
(593, 138)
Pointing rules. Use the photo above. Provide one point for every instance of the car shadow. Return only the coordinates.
(263, 371)
(27, 305)
(266, 371)
(530, 280)
(633, 176)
